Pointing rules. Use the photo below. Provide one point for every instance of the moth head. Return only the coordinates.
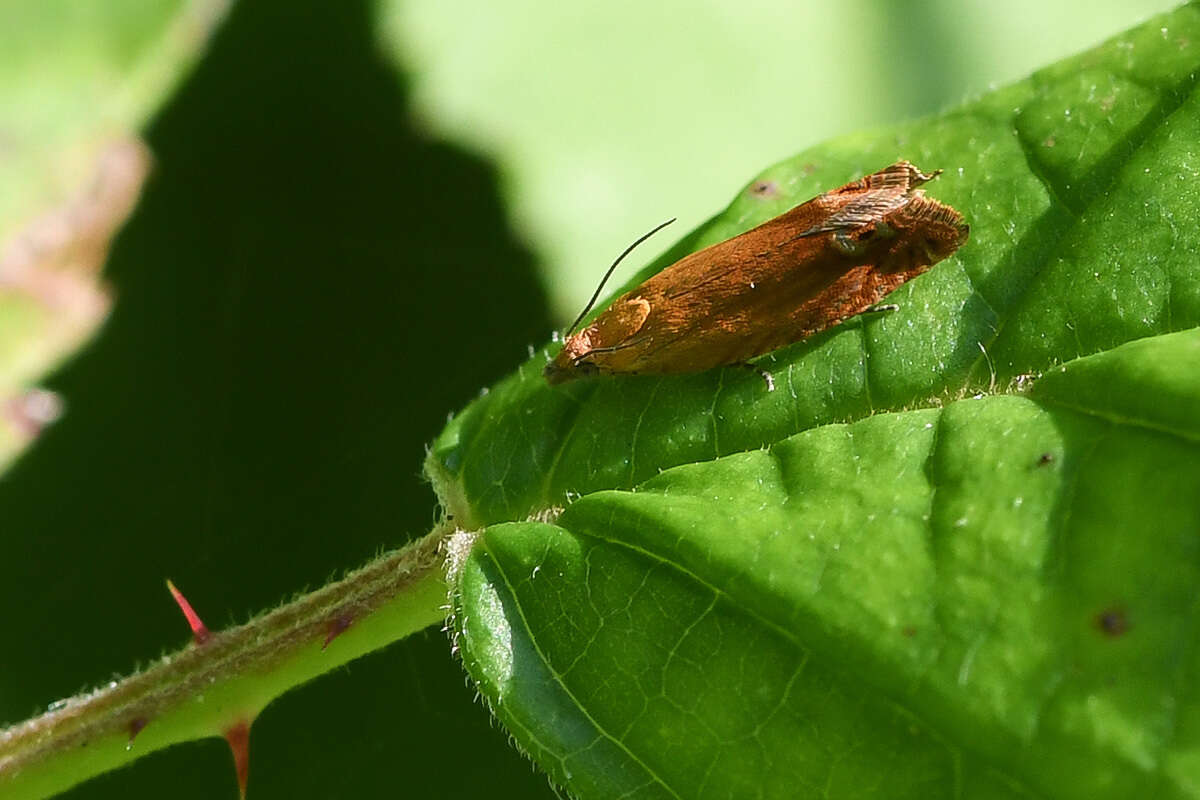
(556, 374)
(571, 362)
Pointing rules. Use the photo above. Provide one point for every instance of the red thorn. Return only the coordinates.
(135, 727)
(239, 742)
(199, 629)
(337, 627)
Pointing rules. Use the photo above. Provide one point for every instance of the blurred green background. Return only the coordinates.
(605, 118)
(361, 214)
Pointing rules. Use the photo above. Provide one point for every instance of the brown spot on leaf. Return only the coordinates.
(764, 188)
(1112, 622)
(1045, 458)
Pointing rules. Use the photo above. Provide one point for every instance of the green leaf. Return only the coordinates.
(917, 568)
(113, 64)
(77, 81)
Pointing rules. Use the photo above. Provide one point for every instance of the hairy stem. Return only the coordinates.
(209, 689)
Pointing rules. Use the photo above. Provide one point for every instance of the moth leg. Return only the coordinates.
(881, 308)
(767, 377)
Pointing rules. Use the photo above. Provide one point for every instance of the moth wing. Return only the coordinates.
(869, 209)
(880, 194)
(619, 326)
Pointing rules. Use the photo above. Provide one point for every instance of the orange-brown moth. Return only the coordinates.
(791, 277)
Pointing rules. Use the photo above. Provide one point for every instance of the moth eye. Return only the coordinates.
(587, 368)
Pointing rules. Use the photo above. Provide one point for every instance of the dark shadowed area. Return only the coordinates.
(309, 285)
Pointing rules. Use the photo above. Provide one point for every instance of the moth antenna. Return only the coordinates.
(608, 275)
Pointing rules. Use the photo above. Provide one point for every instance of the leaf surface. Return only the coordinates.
(77, 81)
(954, 554)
